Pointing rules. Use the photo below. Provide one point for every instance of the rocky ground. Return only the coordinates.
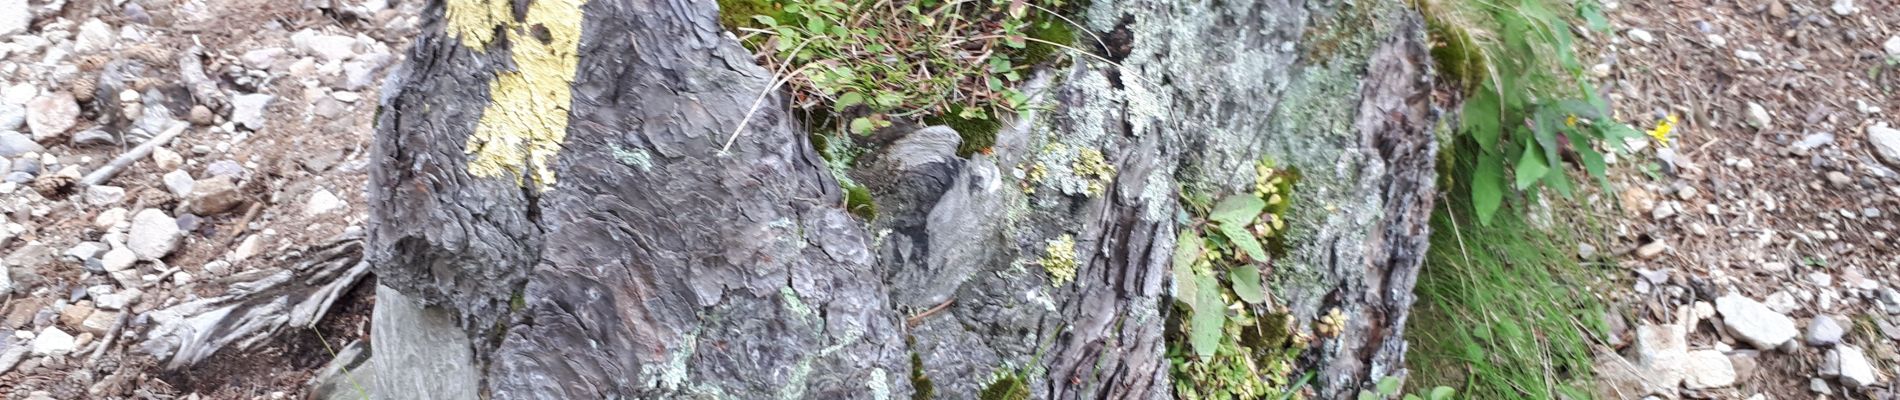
(1760, 242)
(274, 100)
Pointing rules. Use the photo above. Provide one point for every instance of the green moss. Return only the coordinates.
(920, 383)
(735, 14)
(857, 200)
(1006, 387)
(1049, 29)
(978, 134)
(518, 302)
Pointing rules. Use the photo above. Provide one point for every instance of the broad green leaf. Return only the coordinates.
(1187, 249)
(848, 99)
(1208, 315)
(861, 126)
(1531, 168)
(1481, 116)
(1487, 190)
(1413, 397)
(765, 20)
(1389, 385)
(1559, 181)
(1247, 284)
(1365, 395)
(1241, 238)
(1239, 210)
(1441, 393)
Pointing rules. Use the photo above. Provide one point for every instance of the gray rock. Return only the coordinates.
(15, 350)
(53, 341)
(1662, 351)
(179, 183)
(322, 202)
(214, 195)
(30, 165)
(1823, 331)
(262, 58)
(226, 168)
(1839, 179)
(94, 36)
(329, 47)
(1893, 46)
(1758, 116)
(1886, 143)
(85, 251)
(13, 144)
(12, 117)
(15, 17)
(1651, 250)
(93, 137)
(1819, 386)
(154, 234)
(1754, 322)
(1707, 369)
(51, 114)
(247, 110)
(19, 177)
(31, 255)
(119, 259)
(102, 195)
(1850, 364)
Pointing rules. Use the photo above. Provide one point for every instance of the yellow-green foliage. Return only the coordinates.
(521, 129)
(1059, 260)
(1090, 165)
(857, 200)
(1006, 387)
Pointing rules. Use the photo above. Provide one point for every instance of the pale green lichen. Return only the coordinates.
(1059, 260)
(880, 385)
(637, 158)
(672, 374)
(792, 303)
(1071, 170)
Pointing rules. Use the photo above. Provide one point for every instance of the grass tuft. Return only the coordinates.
(1505, 309)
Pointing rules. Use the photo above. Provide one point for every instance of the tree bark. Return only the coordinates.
(593, 241)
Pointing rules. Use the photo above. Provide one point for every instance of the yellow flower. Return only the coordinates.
(1661, 133)
(1571, 121)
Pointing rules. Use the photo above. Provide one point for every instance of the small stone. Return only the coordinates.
(166, 159)
(32, 255)
(15, 17)
(1851, 366)
(1839, 179)
(75, 314)
(331, 48)
(1774, 267)
(1819, 386)
(225, 168)
(110, 217)
(322, 202)
(1823, 331)
(1781, 302)
(1758, 116)
(86, 251)
(1641, 36)
(179, 183)
(247, 110)
(154, 234)
(1844, 7)
(1651, 250)
(246, 248)
(1892, 46)
(1746, 55)
(214, 195)
(118, 301)
(1707, 369)
(261, 58)
(1586, 251)
(1663, 351)
(102, 195)
(1754, 322)
(119, 259)
(99, 322)
(1717, 41)
(1886, 143)
(13, 144)
(1687, 193)
(201, 116)
(93, 137)
(51, 114)
(94, 36)
(53, 341)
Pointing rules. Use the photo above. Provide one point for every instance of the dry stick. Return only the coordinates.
(755, 107)
(244, 224)
(112, 335)
(914, 320)
(107, 172)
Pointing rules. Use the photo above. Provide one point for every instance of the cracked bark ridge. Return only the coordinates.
(656, 267)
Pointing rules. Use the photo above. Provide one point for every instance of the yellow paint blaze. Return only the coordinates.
(525, 122)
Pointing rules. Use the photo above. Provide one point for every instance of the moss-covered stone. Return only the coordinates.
(978, 134)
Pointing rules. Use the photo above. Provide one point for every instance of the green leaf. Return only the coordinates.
(1241, 238)
(1239, 210)
(1187, 249)
(1487, 191)
(765, 20)
(861, 126)
(1365, 395)
(1481, 116)
(1441, 393)
(1389, 385)
(1208, 315)
(1247, 284)
(1413, 397)
(1531, 168)
(848, 99)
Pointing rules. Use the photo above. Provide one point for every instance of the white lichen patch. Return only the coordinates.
(1070, 170)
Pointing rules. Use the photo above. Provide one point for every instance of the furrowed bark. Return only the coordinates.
(636, 260)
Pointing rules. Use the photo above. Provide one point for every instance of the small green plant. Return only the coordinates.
(1229, 344)
(1389, 387)
(1528, 108)
(1058, 258)
(878, 61)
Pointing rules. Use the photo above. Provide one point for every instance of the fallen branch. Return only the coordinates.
(251, 312)
(111, 169)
